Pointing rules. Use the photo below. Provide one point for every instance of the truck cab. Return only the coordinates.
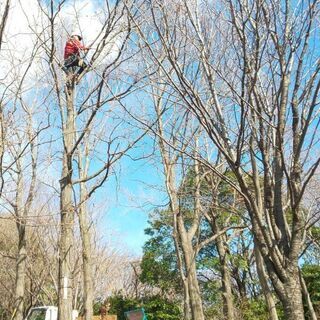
(47, 313)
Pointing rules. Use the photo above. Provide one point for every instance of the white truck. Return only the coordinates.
(47, 313)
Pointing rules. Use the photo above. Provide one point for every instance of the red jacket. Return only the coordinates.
(73, 46)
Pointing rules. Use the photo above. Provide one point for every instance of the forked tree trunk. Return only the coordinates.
(264, 285)
(67, 216)
(193, 308)
(182, 236)
(191, 274)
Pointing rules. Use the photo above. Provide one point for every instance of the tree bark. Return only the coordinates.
(4, 20)
(192, 296)
(264, 285)
(306, 296)
(194, 293)
(186, 301)
(279, 137)
(191, 273)
(20, 274)
(67, 215)
(292, 299)
(22, 252)
(86, 256)
(228, 306)
(180, 262)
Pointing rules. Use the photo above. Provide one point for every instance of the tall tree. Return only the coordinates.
(80, 115)
(21, 125)
(184, 178)
(256, 97)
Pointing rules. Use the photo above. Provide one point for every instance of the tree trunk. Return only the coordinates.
(193, 285)
(194, 293)
(22, 250)
(228, 306)
(67, 216)
(186, 301)
(180, 262)
(186, 262)
(264, 285)
(86, 256)
(20, 275)
(292, 298)
(2, 147)
(306, 296)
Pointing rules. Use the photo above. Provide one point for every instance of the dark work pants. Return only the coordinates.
(73, 62)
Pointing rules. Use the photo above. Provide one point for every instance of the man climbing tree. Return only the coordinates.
(72, 57)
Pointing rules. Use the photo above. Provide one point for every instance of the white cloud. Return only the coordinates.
(27, 25)
(84, 17)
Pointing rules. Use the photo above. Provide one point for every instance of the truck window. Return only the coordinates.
(37, 314)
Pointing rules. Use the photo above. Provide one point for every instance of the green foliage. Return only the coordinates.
(119, 305)
(156, 307)
(311, 275)
(158, 272)
(4, 314)
(315, 232)
(158, 265)
(96, 307)
(211, 293)
(255, 309)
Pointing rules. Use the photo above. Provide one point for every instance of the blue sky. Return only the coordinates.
(129, 198)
